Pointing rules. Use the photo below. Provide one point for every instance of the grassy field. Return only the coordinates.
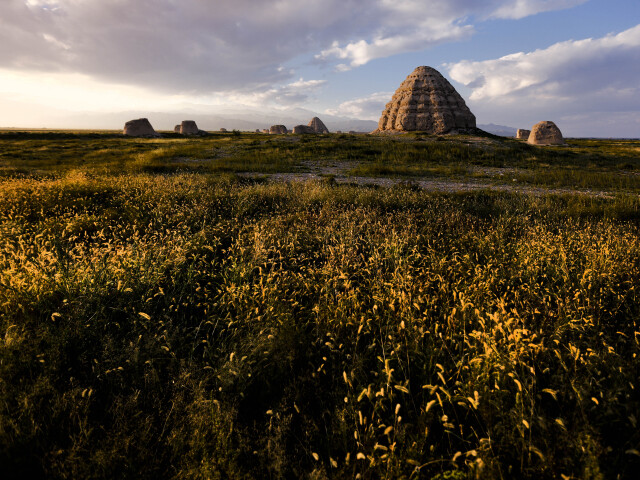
(611, 166)
(163, 315)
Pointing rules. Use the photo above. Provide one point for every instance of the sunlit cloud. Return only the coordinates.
(415, 25)
(565, 70)
(367, 108)
(584, 82)
(196, 47)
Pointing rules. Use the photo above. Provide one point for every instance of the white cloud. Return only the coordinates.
(562, 70)
(291, 94)
(523, 8)
(190, 46)
(571, 80)
(413, 25)
(361, 52)
(366, 108)
(193, 46)
(76, 92)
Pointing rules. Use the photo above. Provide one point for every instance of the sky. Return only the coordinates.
(516, 62)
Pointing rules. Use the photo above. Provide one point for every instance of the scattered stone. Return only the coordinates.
(278, 130)
(189, 127)
(426, 101)
(317, 126)
(303, 129)
(523, 134)
(545, 133)
(139, 128)
(265, 130)
(223, 130)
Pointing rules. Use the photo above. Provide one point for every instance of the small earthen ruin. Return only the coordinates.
(139, 128)
(303, 129)
(189, 127)
(278, 130)
(545, 133)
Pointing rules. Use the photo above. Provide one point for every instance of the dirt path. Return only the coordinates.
(336, 171)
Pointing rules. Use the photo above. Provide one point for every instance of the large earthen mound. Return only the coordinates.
(318, 126)
(139, 128)
(426, 101)
(189, 127)
(545, 133)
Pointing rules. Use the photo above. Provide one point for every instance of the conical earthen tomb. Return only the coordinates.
(426, 101)
(318, 126)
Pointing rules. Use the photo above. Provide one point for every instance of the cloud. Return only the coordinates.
(366, 108)
(189, 46)
(413, 25)
(75, 92)
(196, 47)
(562, 71)
(291, 94)
(524, 8)
(574, 80)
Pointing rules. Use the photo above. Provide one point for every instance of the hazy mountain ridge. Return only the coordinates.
(231, 119)
(243, 118)
(501, 130)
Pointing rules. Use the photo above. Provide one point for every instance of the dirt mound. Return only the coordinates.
(546, 133)
(139, 128)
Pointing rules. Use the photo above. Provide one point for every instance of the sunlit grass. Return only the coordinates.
(207, 327)
(163, 316)
(609, 165)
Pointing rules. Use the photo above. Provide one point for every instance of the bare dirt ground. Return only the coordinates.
(337, 172)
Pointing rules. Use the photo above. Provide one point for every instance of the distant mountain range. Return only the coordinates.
(501, 130)
(243, 118)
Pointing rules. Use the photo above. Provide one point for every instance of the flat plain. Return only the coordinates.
(323, 306)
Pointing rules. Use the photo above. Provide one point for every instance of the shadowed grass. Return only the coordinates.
(201, 326)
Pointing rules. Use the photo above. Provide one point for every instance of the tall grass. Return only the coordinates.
(197, 326)
(608, 165)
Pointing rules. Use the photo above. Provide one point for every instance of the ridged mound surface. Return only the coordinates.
(318, 126)
(426, 101)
